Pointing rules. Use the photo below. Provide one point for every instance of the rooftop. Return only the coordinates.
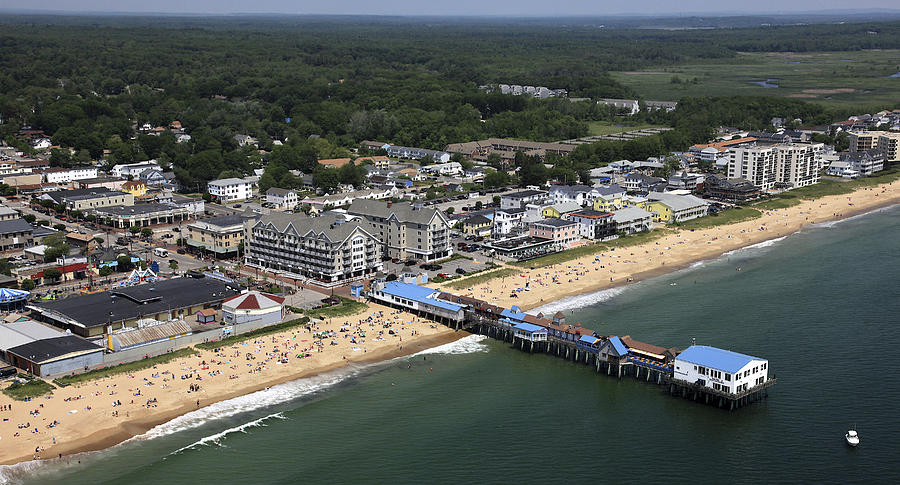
(20, 333)
(121, 210)
(715, 358)
(132, 302)
(252, 300)
(11, 226)
(418, 293)
(555, 223)
(49, 349)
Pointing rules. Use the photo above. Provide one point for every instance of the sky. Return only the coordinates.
(529, 8)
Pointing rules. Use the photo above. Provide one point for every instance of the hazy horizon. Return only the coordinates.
(461, 8)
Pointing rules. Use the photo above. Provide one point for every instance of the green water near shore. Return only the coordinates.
(821, 305)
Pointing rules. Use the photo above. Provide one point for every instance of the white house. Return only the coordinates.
(133, 169)
(508, 222)
(631, 106)
(282, 198)
(61, 176)
(450, 169)
(721, 370)
(632, 219)
(232, 189)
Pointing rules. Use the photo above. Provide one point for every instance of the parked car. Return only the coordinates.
(443, 275)
(181, 251)
(470, 237)
(409, 262)
(479, 239)
(460, 271)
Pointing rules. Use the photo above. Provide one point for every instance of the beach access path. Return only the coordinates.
(88, 419)
(676, 249)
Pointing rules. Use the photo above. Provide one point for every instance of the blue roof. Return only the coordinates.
(714, 358)
(513, 313)
(588, 338)
(418, 293)
(617, 344)
(527, 327)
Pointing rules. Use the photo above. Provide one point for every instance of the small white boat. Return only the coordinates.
(852, 438)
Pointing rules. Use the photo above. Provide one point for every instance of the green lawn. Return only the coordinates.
(33, 388)
(482, 278)
(562, 256)
(729, 216)
(598, 128)
(345, 308)
(847, 79)
(278, 327)
(123, 368)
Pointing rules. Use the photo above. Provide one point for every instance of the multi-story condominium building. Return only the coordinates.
(143, 215)
(866, 163)
(756, 164)
(580, 194)
(562, 232)
(221, 236)
(630, 220)
(787, 165)
(887, 142)
(328, 249)
(407, 230)
(796, 165)
(232, 189)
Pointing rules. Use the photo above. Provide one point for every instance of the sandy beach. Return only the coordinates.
(107, 411)
(677, 249)
(103, 412)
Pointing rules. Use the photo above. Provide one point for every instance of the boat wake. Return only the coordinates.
(215, 439)
(466, 345)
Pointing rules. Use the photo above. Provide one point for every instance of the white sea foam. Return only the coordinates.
(466, 345)
(579, 301)
(760, 245)
(249, 402)
(216, 439)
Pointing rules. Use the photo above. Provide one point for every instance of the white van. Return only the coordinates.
(160, 252)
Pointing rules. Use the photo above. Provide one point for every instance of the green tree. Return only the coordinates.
(123, 263)
(27, 285)
(52, 274)
(134, 229)
(173, 265)
(105, 271)
(146, 232)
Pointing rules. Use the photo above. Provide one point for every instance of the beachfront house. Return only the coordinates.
(632, 219)
(612, 350)
(675, 208)
(719, 369)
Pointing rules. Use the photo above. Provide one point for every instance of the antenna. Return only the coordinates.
(693, 341)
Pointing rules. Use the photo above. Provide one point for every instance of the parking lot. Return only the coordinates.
(449, 268)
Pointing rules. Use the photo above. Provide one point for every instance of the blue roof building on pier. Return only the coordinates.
(589, 343)
(418, 299)
(528, 331)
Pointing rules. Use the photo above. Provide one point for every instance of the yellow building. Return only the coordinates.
(135, 188)
(608, 203)
(661, 212)
(477, 226)
(556, 211)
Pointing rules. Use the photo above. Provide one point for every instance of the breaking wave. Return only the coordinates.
(215, 439)
(466, 345)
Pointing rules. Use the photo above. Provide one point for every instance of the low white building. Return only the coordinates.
(133, 169)
(62, 176)
(253, 307)
(282, 198)
(228, 190)
(721, 370)
(449, 169)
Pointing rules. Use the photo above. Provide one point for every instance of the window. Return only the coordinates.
(727, 377)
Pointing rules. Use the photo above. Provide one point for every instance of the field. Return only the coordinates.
(599, 128)
(835, 78)
(30, 389)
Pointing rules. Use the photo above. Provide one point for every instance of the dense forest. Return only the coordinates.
(89, 82)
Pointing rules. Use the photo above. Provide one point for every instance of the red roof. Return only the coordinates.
(251, 300)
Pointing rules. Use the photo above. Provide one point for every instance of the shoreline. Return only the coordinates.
(425, 335)
(111, 432)
(675, 251)
(665, 270)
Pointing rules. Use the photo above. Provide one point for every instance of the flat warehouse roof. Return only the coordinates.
(132, 302)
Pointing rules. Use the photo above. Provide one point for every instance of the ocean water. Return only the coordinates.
(822, 305)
